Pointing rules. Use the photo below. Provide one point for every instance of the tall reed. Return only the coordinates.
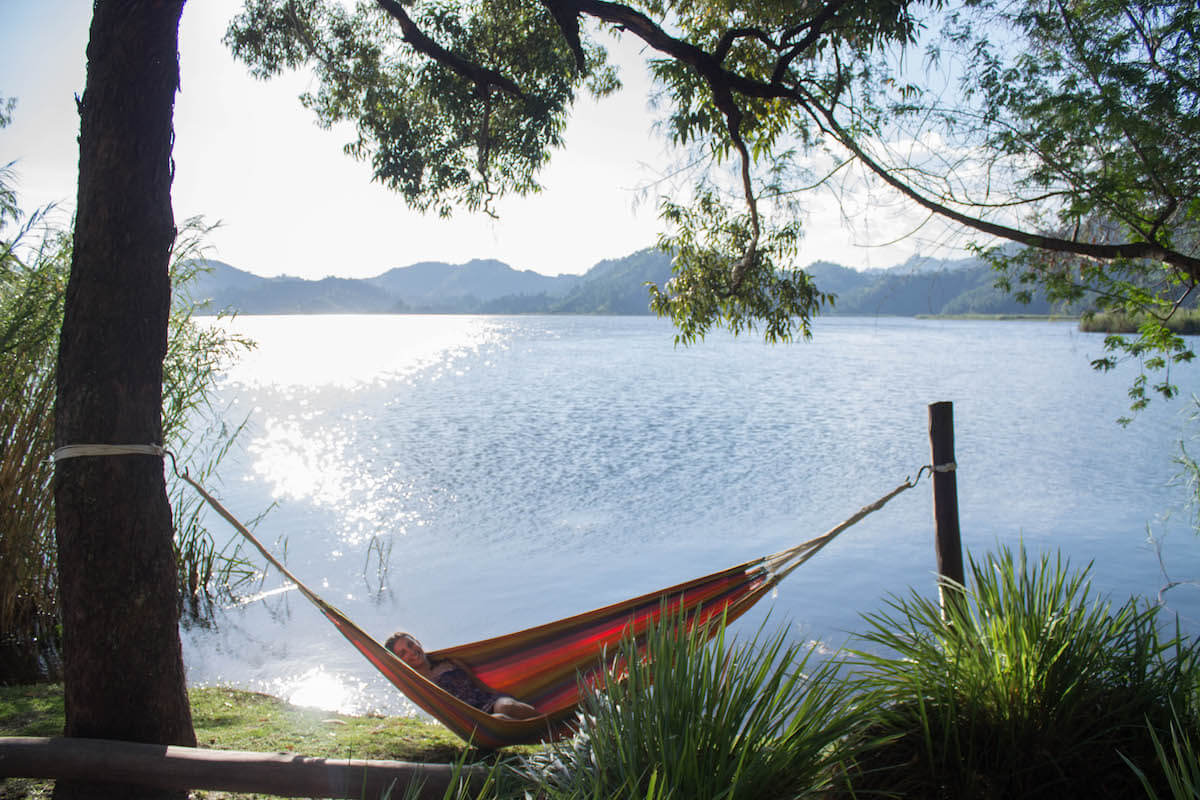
(195, 429)
(1183, 321)
(34, 266)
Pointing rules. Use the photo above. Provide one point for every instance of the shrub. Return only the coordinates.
(1028, 687)
(706, 720)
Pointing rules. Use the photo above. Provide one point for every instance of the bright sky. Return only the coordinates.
(291, 202)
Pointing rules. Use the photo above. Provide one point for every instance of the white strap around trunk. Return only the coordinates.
(80, 450)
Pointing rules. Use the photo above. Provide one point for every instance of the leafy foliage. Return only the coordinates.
(440, 137)
(702, 292)
(1074, 131)
(1069, 128)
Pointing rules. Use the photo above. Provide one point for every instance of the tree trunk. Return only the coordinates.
(123, 665)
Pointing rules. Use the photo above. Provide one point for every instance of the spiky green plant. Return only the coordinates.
(1180, 766)
(1027, 688)
(703, 719)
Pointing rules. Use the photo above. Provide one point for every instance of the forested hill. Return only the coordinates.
(928, 286)
(615, 286)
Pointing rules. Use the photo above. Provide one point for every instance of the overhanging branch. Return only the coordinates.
(481, 76)
(1190, 265)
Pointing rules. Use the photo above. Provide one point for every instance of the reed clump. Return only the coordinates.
(1029, 687)
(32, 283)
(688, 718)
(35, 261)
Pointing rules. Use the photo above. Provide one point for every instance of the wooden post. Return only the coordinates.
(947, 537)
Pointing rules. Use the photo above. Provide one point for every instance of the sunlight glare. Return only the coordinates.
(319, 689)
(349, 351)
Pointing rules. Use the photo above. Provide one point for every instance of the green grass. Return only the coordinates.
(228, 719)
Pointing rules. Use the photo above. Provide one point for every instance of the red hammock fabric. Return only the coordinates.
(544, 666)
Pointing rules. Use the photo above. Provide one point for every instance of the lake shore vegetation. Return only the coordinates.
(1030, 686)
(35, 259)
(1184, 322)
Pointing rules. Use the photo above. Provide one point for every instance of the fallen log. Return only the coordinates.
(186, 768)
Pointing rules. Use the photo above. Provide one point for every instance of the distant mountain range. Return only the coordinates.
(616, 286)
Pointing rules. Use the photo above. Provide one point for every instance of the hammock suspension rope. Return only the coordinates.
(545, 665)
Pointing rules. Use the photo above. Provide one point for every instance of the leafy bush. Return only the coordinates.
(1027, 687)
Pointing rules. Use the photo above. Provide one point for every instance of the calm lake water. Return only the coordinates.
(463, 477)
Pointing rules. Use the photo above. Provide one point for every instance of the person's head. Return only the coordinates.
(407, 649)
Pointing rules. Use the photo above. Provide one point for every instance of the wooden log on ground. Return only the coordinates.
(186, 768)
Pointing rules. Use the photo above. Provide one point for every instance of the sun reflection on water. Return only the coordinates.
(318, 387)
(317, 688)
(294, 352)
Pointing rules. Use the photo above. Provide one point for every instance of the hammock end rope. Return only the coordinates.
(780, 565)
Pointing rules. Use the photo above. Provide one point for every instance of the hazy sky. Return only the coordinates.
(291, 202)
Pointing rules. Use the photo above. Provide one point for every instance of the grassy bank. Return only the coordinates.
(228, 719)
(1004, 317)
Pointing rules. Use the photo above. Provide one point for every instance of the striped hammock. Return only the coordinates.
(547, 665)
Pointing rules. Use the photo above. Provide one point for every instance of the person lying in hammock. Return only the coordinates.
(457, 679)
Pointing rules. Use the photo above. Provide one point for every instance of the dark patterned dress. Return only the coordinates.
(459, 683)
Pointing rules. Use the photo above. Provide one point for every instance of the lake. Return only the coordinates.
(462, 477)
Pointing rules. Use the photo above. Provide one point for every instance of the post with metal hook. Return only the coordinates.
(947, 537)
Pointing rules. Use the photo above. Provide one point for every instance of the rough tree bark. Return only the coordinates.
(123, 665)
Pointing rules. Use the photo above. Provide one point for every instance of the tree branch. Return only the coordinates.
(815, 27)
(733, 34)
(1189, 264)
(566, 15)
(482, 77)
